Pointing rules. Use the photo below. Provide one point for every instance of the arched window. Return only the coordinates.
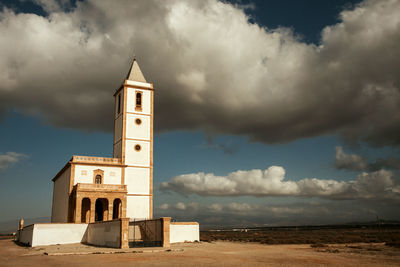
(97, 179)
(98, 176)
(138, 100)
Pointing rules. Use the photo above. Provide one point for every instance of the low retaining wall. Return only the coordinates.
(184, 232)
(162, 232)
(25, 235)
(116, 233)
(113, 234)
(43, 234)
(146, 232)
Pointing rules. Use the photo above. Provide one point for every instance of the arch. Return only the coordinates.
(139, 100)
(85, 210)
(98, 176)
(117, 208)
(101, 209)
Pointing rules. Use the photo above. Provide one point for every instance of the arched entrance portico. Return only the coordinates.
(97, 202)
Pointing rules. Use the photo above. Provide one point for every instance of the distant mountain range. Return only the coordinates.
(7, 227)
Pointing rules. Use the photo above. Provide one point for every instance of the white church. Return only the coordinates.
(92, 189)
(92, 195)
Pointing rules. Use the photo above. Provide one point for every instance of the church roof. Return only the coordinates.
(134, 73)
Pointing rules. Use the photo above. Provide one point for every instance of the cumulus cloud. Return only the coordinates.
(9, 159)
(271, 182)
(354, 162)
(213, 70)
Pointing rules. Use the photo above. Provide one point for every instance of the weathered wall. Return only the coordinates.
(43, 234)
(105, 234)
(25, 235)
(184, 232)
(149, 230)
(59, 212)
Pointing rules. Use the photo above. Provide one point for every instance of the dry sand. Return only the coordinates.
(203, 254)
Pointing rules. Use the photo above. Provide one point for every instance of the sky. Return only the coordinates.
(266, 112)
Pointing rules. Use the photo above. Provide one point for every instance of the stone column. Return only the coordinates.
(124, 233)
(110, 209)
(78, 206)
(123, 207)
(92, 210)
(166, 222)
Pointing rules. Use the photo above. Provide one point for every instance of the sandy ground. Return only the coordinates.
(203, 254)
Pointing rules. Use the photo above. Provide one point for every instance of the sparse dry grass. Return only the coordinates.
(307, 236)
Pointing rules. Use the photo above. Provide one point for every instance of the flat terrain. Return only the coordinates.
(309, 235)
(220, 253)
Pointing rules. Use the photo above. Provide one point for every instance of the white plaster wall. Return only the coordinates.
(146, 100)
(117, 153)
(44, 234)
(25, 235)
(118, 129)
(182, 233)
(105, 234)
(60, 197)
(137, 180)
(136, 131)
(88, 178)
(137, 158)
(137, 207)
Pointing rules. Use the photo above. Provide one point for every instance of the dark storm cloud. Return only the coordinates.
(212, 69)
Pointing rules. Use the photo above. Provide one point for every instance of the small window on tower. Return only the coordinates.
(138, 101)
(98, 179)
(119, 104)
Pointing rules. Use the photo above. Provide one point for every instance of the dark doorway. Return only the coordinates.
(117, 208)
(99, 210)
(85, 210)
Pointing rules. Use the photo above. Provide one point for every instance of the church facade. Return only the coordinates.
(90, 189)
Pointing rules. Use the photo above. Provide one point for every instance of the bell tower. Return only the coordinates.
(133, 141)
